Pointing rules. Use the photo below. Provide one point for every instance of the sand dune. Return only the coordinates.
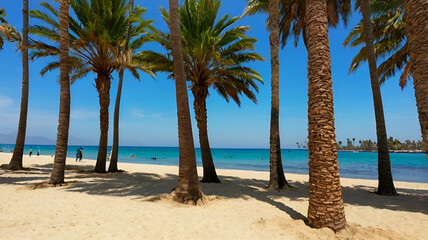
(137, 205)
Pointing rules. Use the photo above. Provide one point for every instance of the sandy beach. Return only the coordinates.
(137, 205)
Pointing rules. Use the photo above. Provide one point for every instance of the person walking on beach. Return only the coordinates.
(31, 151)
(38, 151)
(77, 154)
(81, 154)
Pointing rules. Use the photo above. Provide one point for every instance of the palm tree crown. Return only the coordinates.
(292, 19)
(389, 32)
(214, 52)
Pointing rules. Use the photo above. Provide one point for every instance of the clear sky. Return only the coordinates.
(148, 110)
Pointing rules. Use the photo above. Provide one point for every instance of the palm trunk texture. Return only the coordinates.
(103, 86)
(416, 17)
(16, 161)
(276, 178)
(115, 147)
(325, 193)
(57, 176)
(188, 187)
(200, 106)
(386, 184)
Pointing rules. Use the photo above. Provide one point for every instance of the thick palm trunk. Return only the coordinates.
(416, 17)
(188, 187)
(18, 151)
(386, 184)
(276, 178)
(200, 107)
(57, 176)
(103, 86)
(325, 194)
(115, 147)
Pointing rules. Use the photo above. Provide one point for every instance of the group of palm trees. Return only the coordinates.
(211, 53)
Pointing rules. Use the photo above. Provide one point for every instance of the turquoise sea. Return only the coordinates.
(405, 166)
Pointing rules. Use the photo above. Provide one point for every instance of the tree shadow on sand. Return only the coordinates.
(145, 185)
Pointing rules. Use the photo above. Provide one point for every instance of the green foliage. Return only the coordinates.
(97, 37)
(292, 20)
(389, 33)
(393, 145)
(214, 52)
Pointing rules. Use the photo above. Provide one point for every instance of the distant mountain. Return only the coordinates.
(39, 140)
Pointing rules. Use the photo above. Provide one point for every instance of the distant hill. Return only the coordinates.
(40, 140)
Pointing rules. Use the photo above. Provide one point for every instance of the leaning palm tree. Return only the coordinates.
(127, 48)
(100, 24)
(57, 176)
(292, 24)
(385, 181)
(16, 161)
(214, 56)
(416, 17)
(325, 193)
(390, 42)
(188, 186)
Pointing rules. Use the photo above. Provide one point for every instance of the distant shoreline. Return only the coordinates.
(391, 151)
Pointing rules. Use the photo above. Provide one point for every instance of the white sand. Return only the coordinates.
(137, 205)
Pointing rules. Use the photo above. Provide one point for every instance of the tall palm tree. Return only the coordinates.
(188, 186)
(385, 181)
(214, 56)
(127, 48)
(416, 17)
(100, 24)
(57, 176)
(325, 193)
(292, 24)
(16, 161)
(276, 178)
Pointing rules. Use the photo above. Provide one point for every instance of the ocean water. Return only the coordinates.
(405, 166)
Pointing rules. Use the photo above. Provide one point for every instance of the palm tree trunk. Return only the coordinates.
(200, 106)
(115, 147)
(325, 194)
(57, 176)
(18, 151)
(276, 178)
(103, 86)
(386, 184)
(416, 17)
(188, 186)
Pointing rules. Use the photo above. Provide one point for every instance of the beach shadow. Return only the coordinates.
(141, 185)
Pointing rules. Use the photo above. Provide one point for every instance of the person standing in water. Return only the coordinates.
(31, 151)
(38, 151)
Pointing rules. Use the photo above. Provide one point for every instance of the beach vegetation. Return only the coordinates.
(188, 189)
(215, 54)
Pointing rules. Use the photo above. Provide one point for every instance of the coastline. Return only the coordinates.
(137, 203)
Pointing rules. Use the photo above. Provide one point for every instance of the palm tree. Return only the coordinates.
(214, 55)
(389, 33)
(385, 184)
(292, 23)
(276, 177)
(57, 176)
(416, 17)
(325, 194)
(188, 186)
(16, 161)
(128, 59)
(93, 36)
(292, 16)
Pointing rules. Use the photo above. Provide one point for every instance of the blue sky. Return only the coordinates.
(148, 110)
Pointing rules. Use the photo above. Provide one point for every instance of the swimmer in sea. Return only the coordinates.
(132, 155)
